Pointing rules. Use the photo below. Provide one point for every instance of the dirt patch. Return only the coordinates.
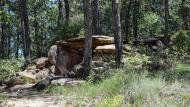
(39, 99)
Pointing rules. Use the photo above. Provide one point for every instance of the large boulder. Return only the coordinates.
(52, 54)
(70, 53)
(42, 74)
(66, 55)
(14, 81)
(18, 88)
(27, 77)
(66, 60)
(31, 67)
(78, 43)
(41, 85)
(41, 62)
(78, 70)
(110, 49)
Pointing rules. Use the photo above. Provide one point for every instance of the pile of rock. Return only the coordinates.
(65, 60)
(40, 69)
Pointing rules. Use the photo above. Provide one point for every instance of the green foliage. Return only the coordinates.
(70, 29)
(114, 101)
(186, 96)
(3, 97)
(181, 72)
(8, 68)
(181, 38)
(150, 25)
(133, 89)
(181, 42)
(136, 60)
(89, 89)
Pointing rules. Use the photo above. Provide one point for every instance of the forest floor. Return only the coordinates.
(44, 100)
(123, 89)
(38, 99)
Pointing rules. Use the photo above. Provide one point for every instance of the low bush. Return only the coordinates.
(181, 72)
(8, 68)
(181, 43)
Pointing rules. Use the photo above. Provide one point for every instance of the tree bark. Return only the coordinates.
(60, 15)
(63, 7)
(67, 9)
(117, 31)
(88, 38)
(2, 50)
(2, 42)
(184, 14)
(127, 21)
(37, 38)
(166, 18)
(135, 18)
(8, 47)
(25, 28)
(17, 46)
(96, 18)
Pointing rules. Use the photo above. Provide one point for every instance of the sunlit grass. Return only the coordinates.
(133, 89)
(109, 86)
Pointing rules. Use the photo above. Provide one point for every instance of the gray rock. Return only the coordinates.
(41, 62)
(42, 74)
(52, 69)
(67, 82)
(14, 81)
(17, 88)
(61, 81)
(27, 77)
(41, 85)
(52, 54)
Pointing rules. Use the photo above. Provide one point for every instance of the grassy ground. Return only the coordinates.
(130, 87)
(127, 87)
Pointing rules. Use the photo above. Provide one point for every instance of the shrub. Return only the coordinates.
(8, 68)
(181, 43)
(70, 30)
(137, 60)
(181, 72)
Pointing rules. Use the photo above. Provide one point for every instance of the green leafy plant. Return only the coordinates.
(181, 43)
(8, 68)
(114, 101)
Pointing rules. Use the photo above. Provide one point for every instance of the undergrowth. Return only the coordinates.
(8, 68)
(134, 87)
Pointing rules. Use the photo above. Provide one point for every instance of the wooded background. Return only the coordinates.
(30, 27)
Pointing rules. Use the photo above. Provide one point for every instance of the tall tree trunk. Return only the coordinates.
(96, 18)
(60, 15)
(184, 14)
(135, 18)
(127, 21)
(88, 37)
(25, 28)
(18, 30)
(63, 7)
(17, 46)
(117, 31)
(37, 36)
(2, 50)
(67, 9)
(166, 19)
(8, 47)
(2, 42)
